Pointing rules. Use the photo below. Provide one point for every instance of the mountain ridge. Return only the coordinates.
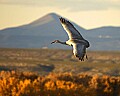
(47, 28)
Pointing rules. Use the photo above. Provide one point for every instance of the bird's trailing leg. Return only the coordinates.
(86, 57)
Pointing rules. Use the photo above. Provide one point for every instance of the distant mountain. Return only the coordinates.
(104, 38)
(42, 31)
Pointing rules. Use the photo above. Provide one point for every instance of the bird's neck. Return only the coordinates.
(62, 42)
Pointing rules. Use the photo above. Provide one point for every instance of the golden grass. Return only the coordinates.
(42, 72)
(29, 84)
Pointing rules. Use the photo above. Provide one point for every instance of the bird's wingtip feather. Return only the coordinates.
(62, 20)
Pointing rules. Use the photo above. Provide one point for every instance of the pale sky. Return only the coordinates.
(86, 13)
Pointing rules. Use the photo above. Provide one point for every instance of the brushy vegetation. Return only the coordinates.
(44, 61)
(42, 72)
(14, 83)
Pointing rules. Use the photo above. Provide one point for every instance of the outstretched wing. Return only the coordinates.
(79, 50)
(70, 29)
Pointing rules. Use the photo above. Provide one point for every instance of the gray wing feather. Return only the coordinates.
(79, 51)
(70, 29)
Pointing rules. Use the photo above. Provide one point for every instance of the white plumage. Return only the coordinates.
(75, 39)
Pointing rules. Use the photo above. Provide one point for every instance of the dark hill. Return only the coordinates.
(42, 31)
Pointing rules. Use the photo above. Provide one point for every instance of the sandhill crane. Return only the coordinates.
(75, 39)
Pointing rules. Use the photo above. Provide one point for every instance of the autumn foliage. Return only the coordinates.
(14, 83)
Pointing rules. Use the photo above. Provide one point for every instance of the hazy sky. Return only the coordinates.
(86, 13)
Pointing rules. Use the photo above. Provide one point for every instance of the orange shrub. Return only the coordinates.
(29, 84)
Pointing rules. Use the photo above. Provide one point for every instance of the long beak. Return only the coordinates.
(52, 42)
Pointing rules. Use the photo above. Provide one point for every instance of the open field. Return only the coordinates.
(44, 61)
(55, 72)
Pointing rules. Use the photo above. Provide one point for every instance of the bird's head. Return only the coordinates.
(55, 41)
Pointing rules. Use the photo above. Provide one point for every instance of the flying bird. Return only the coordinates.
(76, 40)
